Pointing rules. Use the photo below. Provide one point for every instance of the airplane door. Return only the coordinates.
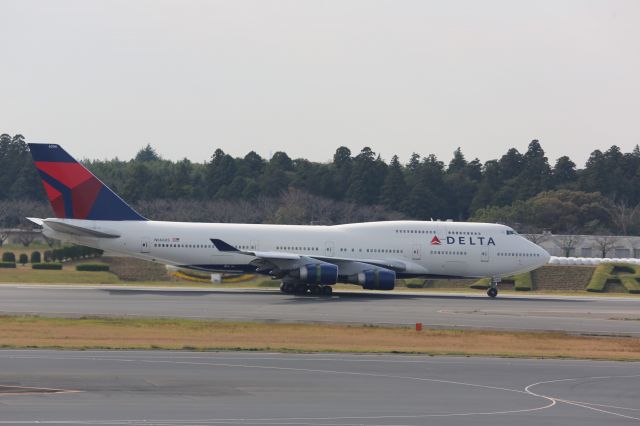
(329, 248)
(415, 252)
(145, 245)
(484, 254)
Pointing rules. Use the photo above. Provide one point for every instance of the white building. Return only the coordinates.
(593, 246)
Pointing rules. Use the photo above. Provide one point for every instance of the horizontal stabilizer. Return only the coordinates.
(36, 220)
(80, 231)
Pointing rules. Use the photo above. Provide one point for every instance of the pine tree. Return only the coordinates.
(394, 189)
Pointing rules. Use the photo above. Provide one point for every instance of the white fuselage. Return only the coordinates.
(454, 249)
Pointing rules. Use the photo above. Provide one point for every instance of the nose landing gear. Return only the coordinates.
(493, 289)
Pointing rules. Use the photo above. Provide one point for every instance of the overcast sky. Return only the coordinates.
(104, 78)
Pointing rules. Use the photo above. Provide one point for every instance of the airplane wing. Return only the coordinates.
(285, 261)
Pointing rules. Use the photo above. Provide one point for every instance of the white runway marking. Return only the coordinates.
(181, 357)
(586, 404)
(297, 420)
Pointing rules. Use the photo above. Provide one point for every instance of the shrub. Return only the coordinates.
(35, 257)
(52, 266)
(57, 255)
(7, 264)
(8, 256)
(269, 284)
(482, 284)
(92, 267)
(415, 283)
(623, 269)
(599, 278)
(523, 282)
(23, 258)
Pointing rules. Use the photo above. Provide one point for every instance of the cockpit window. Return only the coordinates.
(511, 232)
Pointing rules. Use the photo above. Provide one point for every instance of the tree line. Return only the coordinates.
(521, 189)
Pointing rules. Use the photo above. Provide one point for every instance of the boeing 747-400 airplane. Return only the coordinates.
(306, 258)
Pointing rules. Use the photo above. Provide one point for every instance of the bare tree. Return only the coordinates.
(536, 238)
(604, 243)
(568, 243)
(50, 241)
(26, 236)
(3, 237)
(13, 212)
(624, 216)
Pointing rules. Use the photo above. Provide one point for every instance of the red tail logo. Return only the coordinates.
(435, 241)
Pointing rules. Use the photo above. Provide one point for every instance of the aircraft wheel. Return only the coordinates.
(287, 288)
(492, 292)
(301, 289)
(327, 290)
(315, 290)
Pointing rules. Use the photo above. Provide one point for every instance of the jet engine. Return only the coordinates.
(377, 279)
(319, 273)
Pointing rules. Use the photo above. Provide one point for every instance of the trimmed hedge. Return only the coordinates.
(523, 282)
(631, 284)
(51, 266)
(599, 278)
(74, 252)
(415, 283)
(604, 273)
(8, 256)
(92, 267)
(7, 264)
(482, 284)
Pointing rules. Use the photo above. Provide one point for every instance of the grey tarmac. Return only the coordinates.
(214, 388)
(581, 315)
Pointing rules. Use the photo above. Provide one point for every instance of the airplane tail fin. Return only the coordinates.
(74, 192)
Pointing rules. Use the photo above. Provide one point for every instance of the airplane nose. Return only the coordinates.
(544, 256)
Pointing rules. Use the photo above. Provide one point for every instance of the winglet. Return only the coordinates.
(222, 246)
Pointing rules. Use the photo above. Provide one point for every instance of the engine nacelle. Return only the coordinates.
(319, 273)
(377, 279)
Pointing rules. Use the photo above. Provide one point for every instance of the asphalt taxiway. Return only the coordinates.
(591, 315)
(190, 388)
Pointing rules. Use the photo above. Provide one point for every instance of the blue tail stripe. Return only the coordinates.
(108, 206)
(66, 192)
(49, 152)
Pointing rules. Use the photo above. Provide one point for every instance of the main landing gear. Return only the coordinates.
(493, 289)
(302, 289)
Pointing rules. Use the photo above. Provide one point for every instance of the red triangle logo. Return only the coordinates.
(435, 241)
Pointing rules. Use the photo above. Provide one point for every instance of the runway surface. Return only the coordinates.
(573, 314)
(188, 388)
